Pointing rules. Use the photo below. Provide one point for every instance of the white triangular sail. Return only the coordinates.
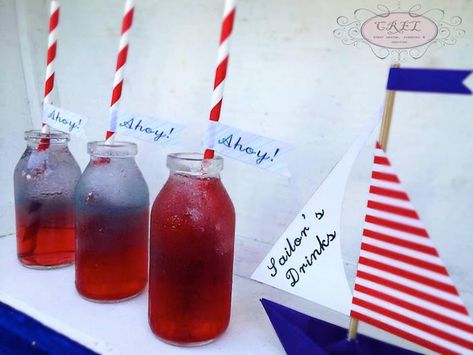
(402, 285)
(307, 259)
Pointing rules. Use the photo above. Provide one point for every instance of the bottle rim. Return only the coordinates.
(54, 136)
(194, 164)
(119, 149)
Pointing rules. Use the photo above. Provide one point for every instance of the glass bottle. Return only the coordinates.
(191, 253)
(112, 223)
(44, 182)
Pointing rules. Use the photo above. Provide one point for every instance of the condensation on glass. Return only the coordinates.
(112, 222)
(191, 255)
(44, 182)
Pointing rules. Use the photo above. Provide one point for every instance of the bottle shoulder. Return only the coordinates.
(55, 166)
(181, 194)
(108, 184)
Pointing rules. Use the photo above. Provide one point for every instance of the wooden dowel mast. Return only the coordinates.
(383, 141)
(387, 118)
(353, 328)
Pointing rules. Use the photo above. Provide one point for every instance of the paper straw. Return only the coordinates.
(119, 70)
(50, 58)
(222, 64)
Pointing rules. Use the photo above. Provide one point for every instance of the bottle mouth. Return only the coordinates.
(194, 164)
(54, 136)
(115, 150)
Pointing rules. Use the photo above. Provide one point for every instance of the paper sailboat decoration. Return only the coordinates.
(22, 334)
(402, 285)
(302, 334)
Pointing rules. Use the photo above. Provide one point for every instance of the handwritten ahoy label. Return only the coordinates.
(307, 259)
(63, 120)
(259, 151)
(149, 129)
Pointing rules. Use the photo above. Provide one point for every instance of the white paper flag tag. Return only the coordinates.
(307, 259)
(65, 121)
(149, 129)
(259, 151)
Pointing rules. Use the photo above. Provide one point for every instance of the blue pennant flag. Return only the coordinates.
(302, 334)
(429, 80)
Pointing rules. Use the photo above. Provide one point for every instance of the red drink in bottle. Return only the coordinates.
(44, 207)
(112, 253)
(112, 223)
(45, 233)
(191, 259)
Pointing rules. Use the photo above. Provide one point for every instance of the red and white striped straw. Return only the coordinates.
(119, 70)
(222, 64)
(50, 58)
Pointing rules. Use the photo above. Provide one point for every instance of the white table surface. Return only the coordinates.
(122, 328)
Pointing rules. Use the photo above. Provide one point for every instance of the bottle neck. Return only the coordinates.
(122, 160)
(195, 175)
(194, 165)
(55, 139)
(33, 144)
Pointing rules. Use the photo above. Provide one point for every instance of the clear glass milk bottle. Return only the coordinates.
(44, 182)
(191, 255)
(112, 223)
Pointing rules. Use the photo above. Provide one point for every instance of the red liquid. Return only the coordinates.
(192, 238)
(45, 233)
(112, 254)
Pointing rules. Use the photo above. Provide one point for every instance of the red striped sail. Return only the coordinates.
(402, 285)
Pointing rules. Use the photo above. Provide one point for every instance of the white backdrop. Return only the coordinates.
(288, 79)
